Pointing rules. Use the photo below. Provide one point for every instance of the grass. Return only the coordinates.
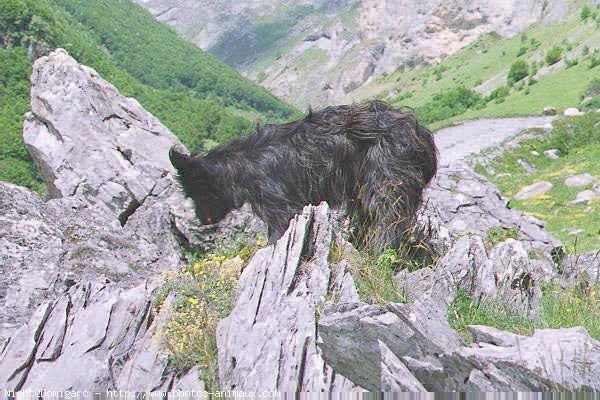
(374, 274)
(202, 295)
(498, 234)
(374, 277)
(578, 140)
(561, 308)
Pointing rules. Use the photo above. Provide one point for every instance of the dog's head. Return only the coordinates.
(200, 181)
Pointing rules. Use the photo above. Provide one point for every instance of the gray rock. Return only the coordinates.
(486, 334)
(526, 165)
(90, 141)
(572, 112)
(466, 202)
(581, 268)
(586, 196)
(47, 247)
(549, 110)
(551, 359)
(505, 277)
(94, 337)
(356, 340)
(82, 259)
(535, 189)
(580, 180)
(268, 341)
(552, 154)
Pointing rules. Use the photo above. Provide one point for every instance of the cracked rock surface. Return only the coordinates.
(74, 270)
(270, 338)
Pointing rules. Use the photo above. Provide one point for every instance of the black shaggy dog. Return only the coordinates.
(370, 158)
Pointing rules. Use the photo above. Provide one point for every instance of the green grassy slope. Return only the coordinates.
(199, 98)
(483, 67)
(578, 140)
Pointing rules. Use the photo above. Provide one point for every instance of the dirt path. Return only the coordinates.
(456, 143)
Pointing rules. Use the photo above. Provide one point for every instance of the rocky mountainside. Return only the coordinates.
(319, 52)
(77, 287)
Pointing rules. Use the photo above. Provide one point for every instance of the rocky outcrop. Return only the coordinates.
(270, 339)
(349, 42)
(298, 325)
(90, 142)
(75, 286)
(467, 202)
(46, 247)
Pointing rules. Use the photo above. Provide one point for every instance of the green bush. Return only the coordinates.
(498, 95)
(585, 13)
(553, 56)
(450, 103)
(518, 70)
(570, 63)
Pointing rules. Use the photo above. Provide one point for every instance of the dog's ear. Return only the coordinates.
(180, 159)
(189, 167)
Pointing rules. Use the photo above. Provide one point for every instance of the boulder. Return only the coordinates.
(91, 142)
(572, 112)
(552, 154)
(580, 180)
(533, 190)
(587, 195)
(358, 340)
(549, 110)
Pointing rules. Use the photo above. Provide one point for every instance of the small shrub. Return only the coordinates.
(534, 69)
(498, 95)
(522, 50)
(585, 50)
(449, 103)
(585, 13)
(554, 55)
(203, 294)
(518, 70)
(570, 63)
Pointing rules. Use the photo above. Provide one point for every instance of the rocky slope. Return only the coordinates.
(77, 295)
(316, 52)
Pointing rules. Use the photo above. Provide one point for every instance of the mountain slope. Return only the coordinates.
(318, 52)
(198, 97)
(482, 70)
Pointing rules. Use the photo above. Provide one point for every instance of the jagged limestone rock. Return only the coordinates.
(269, 339)
(551, 359)
(505, 276)
(94, 337)
(90, 141)
(467, 203)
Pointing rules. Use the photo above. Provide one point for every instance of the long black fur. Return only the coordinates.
(371, 158)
